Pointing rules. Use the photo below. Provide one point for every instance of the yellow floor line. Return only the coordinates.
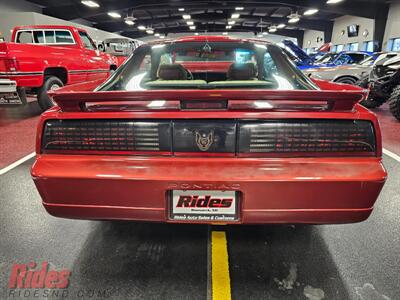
(220, 280)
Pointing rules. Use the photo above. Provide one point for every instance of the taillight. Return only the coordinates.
(11, 64)
(105, 136)
(307, 138)
(269, 138)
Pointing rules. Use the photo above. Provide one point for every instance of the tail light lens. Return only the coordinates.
(11, 64)
(105, 136)
(307, 137)
(272, 138)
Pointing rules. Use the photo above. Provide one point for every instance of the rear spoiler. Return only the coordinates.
(336, 100)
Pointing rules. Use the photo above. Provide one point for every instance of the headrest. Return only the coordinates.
(172, 72)
(242, 71)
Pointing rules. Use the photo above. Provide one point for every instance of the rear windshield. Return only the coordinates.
(208, 65)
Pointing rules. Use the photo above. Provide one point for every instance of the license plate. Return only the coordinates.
(10, 98)
(214, 206)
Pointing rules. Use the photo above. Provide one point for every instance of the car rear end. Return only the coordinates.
(8, 86)
(220, 156)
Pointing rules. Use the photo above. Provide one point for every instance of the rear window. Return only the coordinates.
(63, 37)
(44, 37)
(208, 65)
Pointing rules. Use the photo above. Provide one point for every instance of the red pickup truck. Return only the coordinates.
(45, 57)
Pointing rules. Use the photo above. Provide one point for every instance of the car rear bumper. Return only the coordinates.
(295, 190)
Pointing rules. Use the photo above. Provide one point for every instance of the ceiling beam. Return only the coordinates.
(320, 25)
(366, 8)
(209, 29)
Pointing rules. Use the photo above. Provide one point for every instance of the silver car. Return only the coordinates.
(348, 74)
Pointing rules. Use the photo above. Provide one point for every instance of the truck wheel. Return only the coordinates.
(394, 103)
(22, 95)
(50, 83)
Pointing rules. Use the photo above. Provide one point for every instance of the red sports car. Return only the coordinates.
(210, 130)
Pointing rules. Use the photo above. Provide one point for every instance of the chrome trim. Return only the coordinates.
(20, 73)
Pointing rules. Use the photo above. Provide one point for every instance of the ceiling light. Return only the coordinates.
(114, 14)
(162, 36)
(90, 3)
(235, 16)
(192, 27)
(294, 18)
(141, 27)
(231, 22)
(129, 22)
(228, 27)
(265, 33)
(311, 11)
(156, 34)
(239, 8)
(260, 35)
(181, 9)
(186, 17)
(333, 1)
(273, 29)
(280, 26)
(190, 23)
(149, 31)
(196, 33)
(225, 33)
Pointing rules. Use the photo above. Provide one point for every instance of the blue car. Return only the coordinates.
(304, 61)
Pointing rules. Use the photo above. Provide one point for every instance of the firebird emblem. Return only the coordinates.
(204, 141)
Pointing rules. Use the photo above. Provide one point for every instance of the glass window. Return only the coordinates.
(338, 48)
(394, 44)
(50, 38)
(24, 37)
(208, 65)
(353, 47)
(63, 37)
(368, 46)
(38, 37)
(87, 41)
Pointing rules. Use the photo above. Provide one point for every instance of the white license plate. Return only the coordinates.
(200, 206)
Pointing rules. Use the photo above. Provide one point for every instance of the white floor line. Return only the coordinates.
(17, 163)
(391, 154)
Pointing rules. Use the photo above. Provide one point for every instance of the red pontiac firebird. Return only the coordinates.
(209, 130)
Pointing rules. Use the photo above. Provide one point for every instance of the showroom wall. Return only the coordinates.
(311, 37)
(393, 24)
(339, 35)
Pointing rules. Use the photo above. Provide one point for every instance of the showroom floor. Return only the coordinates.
(164, 261)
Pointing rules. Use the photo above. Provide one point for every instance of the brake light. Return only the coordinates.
(11, 64)
(106, 136)
(307, 137)
(271, 138)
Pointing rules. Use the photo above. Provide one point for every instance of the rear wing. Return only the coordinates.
(329, 100)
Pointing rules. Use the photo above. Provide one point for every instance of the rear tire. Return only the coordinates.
(22, 95)
(50, 83)
(394, 103)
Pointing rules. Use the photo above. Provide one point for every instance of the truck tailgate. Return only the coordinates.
(3, 56)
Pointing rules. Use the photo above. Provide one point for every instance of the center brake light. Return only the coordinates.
(269, 138)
